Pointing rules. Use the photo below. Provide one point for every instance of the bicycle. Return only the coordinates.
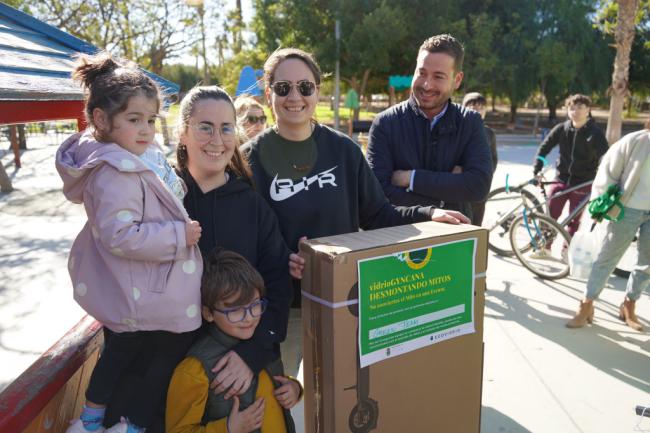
(549, 241)
(502, 206)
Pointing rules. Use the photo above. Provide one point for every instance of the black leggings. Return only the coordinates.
(146, 357)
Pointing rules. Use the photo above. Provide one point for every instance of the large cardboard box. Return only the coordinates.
(435, 388)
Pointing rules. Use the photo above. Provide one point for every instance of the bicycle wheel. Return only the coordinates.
(501, 208)
(627, 262)
(541, 245)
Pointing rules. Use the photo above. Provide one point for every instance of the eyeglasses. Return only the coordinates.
(305, 87)
(238, 314)
(256, 119)
(205, 131)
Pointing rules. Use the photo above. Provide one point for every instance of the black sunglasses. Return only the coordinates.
(305, 87)
(256, 119)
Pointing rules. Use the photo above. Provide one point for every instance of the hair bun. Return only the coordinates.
(90, 67)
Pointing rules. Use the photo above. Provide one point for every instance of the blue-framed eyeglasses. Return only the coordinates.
(238, 314)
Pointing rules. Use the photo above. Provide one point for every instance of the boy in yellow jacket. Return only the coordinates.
(232, 304)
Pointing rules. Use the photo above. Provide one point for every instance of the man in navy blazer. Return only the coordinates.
(428, 150)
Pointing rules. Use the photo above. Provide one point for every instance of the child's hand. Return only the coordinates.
(192, 233)
(247, 420)
(288, 393)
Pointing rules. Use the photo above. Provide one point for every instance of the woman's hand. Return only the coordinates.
(247, 420)
(449, 217)
(288, 393)
(297, 263)
(232, 374)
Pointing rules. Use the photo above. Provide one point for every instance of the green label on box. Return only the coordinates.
(415, 298)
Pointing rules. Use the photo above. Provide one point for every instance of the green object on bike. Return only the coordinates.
(600, 206)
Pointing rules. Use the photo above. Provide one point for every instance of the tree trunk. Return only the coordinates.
(552, 111)
(5, 181)
(362, 92)
(513, 113)
(624, 36)
(22, 139)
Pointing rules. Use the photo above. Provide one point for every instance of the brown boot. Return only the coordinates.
(627, 315)
(584, 315)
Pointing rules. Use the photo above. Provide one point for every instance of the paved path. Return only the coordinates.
(538, 377)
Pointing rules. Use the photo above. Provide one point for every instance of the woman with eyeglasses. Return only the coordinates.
(233, 216)
(315, 178)
(250, 117)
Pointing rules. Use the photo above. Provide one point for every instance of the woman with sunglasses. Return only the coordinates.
(315, 178)
(234, 217)
(250, 117)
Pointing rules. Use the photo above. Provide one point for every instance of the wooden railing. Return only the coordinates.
(50, 393)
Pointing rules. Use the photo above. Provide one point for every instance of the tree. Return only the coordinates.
(5, 181)
(567, 44)
(149, 32)
(378, 37)
(624, 36)
(516, 40)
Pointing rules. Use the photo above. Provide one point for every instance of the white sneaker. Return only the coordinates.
(540, 254)
(120, 427)
(77, 426)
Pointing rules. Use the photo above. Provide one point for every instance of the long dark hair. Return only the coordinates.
(238, 165)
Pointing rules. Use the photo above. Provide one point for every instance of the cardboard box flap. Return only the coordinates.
(333, 246)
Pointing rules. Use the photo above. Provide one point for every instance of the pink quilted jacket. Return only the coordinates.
(130, 266)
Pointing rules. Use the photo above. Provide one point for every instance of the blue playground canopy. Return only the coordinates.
(36, 60)
(248, 82)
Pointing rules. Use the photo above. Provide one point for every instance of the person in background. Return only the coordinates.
(582, 144)
(250, 117)
(232, 298)
(428, 150)
(478, 103)
(626, 164)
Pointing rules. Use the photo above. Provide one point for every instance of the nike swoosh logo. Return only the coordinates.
(282, 189)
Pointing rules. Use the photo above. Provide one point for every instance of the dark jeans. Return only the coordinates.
(556, 205)
(147, 358)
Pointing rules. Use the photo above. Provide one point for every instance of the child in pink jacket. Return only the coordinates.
(135, 266)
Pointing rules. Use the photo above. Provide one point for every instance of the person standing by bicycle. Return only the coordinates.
(582, 144)
(627, 165)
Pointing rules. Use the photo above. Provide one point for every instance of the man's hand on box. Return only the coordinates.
(449, 217)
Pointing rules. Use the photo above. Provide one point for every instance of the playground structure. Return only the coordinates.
(36, 60)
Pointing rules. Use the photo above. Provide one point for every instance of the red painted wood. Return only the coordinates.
(14, 112)
(26, 397)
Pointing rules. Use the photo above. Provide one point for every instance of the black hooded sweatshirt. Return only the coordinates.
(235, 217)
